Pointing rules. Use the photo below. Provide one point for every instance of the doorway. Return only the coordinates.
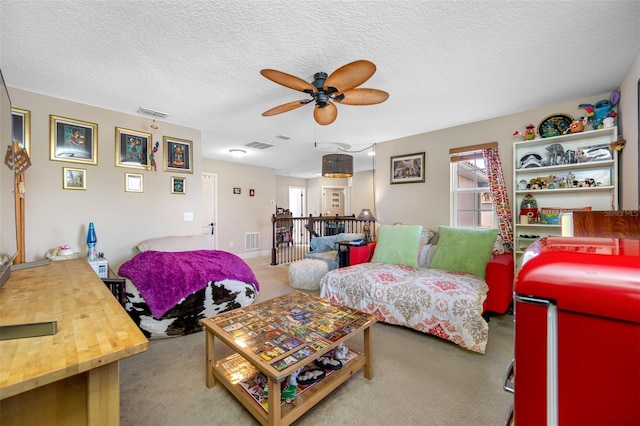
(334, 200)
(297, 201)
(210, 208)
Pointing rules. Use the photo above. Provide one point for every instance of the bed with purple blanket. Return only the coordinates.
(169, 292)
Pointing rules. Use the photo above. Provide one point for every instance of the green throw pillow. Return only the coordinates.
(398, 244)
(464, 249)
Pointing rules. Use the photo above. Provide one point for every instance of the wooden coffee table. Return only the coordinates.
(277, 337)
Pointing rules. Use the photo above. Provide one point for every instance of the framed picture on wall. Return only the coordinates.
(133, 182)
(178, 155)
(132, 148)
(74, 178)
(407, 168)
(178, 185)
(21, 124)
(73, 140)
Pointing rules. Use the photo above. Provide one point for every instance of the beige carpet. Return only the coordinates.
(418, 379)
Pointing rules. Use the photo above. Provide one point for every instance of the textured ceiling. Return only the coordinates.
(444, 63)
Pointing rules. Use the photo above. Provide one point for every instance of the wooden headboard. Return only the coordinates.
(616, 224)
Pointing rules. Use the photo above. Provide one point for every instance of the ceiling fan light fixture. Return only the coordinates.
(237, 153)
(337, 166)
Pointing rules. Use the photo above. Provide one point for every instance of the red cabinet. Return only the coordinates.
(577, 333)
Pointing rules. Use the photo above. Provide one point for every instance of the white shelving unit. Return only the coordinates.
(603, 196)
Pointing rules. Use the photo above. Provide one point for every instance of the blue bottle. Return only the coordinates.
(92, 240)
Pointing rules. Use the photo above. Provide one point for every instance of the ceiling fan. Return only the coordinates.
(325, 89)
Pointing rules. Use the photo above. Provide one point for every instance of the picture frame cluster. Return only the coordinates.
(76, 141)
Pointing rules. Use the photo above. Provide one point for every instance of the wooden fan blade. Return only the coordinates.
(363, 97)
(326, 115)
(288, 80)
(350, 76)
(286, 107)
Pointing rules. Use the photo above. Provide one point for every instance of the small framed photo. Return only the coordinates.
(237, 191)
(407, 168)
(132, 148)
(178, 185)
(74, 178)
(133, 182)
(21, 124)
(178, 155)
(73, 140)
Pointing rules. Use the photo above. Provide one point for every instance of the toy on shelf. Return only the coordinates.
(556, 154)
(577, 126)
(529, 207)
(601, 110)
(528, 133)
(340, 352)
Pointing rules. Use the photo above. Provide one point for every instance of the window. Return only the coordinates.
(471, 203)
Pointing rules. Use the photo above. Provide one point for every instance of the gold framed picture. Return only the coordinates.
(133, 182)
(178, 155)
(21, 124)
(74, 178)
(74, 141)
(132, 148)
(178, 185)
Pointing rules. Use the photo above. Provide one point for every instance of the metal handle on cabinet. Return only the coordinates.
(508, 420)
(508, 378)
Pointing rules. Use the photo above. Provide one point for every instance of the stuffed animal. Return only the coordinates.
(601, 110)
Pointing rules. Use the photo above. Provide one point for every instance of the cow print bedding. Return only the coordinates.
(182, 318)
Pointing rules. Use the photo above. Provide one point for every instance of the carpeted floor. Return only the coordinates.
(418, 379)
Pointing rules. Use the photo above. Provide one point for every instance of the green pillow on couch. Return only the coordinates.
(398, 244)
(464, 249)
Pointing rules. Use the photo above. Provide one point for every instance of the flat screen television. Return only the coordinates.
(8, 235)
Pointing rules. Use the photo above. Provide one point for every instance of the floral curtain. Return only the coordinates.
(499, 194)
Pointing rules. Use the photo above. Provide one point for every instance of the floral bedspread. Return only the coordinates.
(442, 303)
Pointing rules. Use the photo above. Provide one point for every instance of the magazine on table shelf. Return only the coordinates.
(253, 382)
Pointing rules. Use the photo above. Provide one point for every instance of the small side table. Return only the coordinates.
(343, 253)
(117, 285)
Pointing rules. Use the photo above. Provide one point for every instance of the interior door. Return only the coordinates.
(297, 208)
(210, 207)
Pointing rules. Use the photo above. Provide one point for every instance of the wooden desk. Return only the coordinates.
(71, 377)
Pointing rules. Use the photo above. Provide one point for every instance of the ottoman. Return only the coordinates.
(306, 274)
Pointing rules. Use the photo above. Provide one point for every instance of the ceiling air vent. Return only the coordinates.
(152, 113)
(259, 145)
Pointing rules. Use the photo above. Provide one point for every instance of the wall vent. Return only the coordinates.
(148, 111)
(252, 241)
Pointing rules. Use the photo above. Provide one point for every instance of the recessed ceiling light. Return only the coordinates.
(238, 153)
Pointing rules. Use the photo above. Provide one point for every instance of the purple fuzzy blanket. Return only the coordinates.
(165, 278)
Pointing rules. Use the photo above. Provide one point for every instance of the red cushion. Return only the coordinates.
(361, 254)
(500, 281)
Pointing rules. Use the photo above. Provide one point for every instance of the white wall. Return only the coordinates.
(55, 216)
(629, 161)
(428, 203)
(238, 214)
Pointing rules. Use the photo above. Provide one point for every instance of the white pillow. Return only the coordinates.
(183, 243)
(426, 255)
